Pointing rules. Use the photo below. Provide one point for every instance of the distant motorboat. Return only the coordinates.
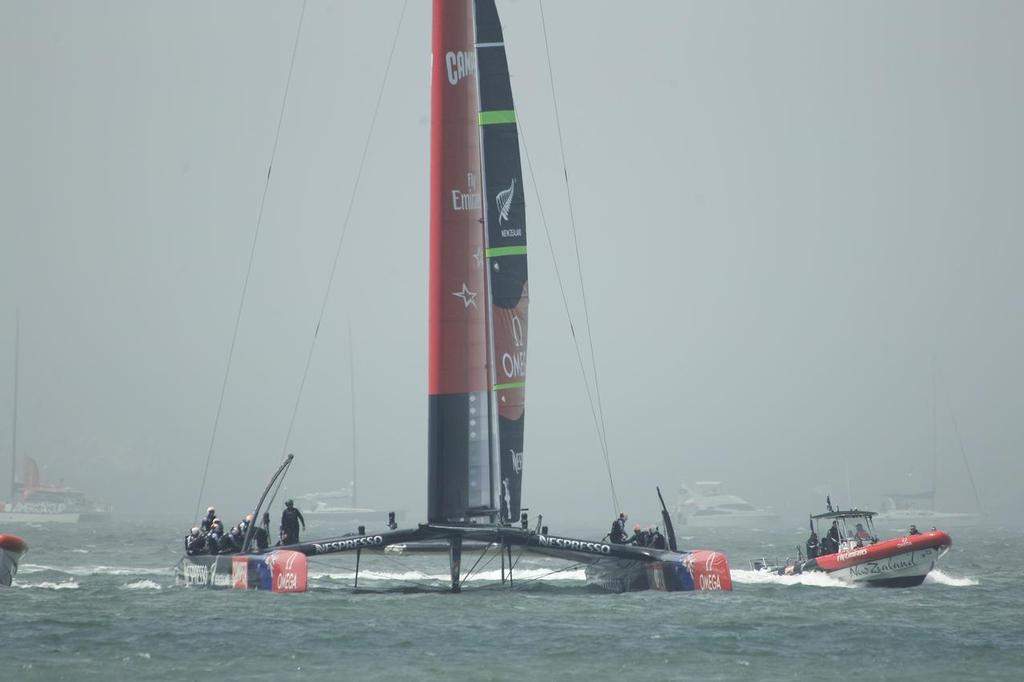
(903, 509)
(337, 506)
(709, 507)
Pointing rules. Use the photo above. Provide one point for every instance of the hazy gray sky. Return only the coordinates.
(784, 210)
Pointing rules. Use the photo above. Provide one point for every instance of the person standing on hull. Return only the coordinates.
(812, 546)
(618, 531)
(290, 519)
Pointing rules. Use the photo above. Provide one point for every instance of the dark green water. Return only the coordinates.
(99, 602)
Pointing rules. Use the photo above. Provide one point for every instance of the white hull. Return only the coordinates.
(738, 520)
(34, 517)
(907, 568)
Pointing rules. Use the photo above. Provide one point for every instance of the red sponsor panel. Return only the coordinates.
(710, 571)
(457, 291)
(288, 571)
(884, 549)
(240, 572)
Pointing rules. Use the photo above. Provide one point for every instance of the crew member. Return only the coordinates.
(640, 537)
(195, 543)
(232, 542)
(290, 519)
(214, 537)
(861, 533)
(812, 546)
(914, 530)
(831, 544)
(618, 531)
(207, 521)
(658, 540)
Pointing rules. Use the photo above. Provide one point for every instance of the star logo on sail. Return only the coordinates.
(468, 297)
(478, 258)
(503, 200)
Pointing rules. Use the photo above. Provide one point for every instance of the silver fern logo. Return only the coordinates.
(504, 201)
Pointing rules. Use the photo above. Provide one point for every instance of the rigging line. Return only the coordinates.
(572, 224)
(252, 257)
(469, 573)
(967, 465)
(344, 228)
(570, 567)
(568, 314)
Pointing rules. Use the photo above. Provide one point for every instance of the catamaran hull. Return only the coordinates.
(278, 571)
(12, 548)
(700, 570)
(901, 562)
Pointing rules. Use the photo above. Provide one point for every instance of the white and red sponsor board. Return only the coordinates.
(710, 570)
(280, 571)
(288, 571)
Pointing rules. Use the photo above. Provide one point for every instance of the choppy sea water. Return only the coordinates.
(100, 602)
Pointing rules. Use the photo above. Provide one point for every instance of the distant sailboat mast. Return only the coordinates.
(14, 416)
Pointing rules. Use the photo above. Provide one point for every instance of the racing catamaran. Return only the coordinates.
(478, 327)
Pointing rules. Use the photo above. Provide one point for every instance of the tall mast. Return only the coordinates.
(14, 416)
(352, 401)
(935, 433)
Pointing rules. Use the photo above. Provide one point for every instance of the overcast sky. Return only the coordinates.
(788, 214)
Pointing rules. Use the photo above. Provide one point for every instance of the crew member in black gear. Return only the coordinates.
(914, 530)
(214, 537)
(290, 519)
(658, 540)
(640, 536)
(831, 543)
(232, 542)
(812, 546)
(207, 523)
(195, 543)
(618, 531)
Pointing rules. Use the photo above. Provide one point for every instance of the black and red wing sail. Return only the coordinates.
(505, 242)
(461, 476)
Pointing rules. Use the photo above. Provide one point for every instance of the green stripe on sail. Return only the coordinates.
(491, 117)
(506, 251)
(505, 387)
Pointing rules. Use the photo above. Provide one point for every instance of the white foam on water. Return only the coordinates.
(811, 578)
(937, 577)
(95, 570)
(46, 585)
(113, 570)
(80, 551)
(142, 585)
(537, 574)
(33, 568)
